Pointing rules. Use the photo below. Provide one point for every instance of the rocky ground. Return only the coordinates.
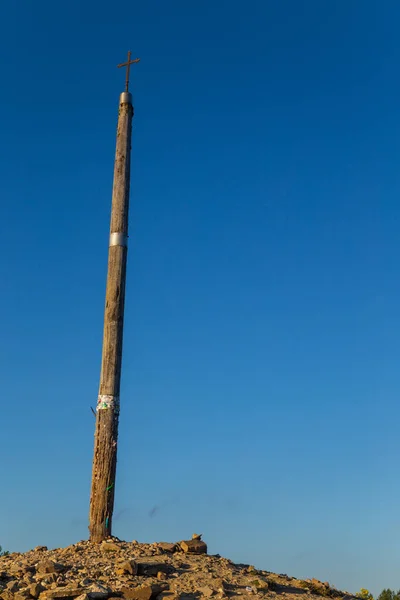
(134, 571)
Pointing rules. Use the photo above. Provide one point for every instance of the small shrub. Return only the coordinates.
(365, 594)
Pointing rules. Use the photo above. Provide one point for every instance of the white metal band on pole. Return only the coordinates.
(118, 239)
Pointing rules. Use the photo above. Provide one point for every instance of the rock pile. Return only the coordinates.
(133, 571)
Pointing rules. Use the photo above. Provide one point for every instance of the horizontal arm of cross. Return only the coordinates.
(130, 62)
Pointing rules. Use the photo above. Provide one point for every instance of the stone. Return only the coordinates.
(120, 572)
(162, 576)
(40, 549)
(129, 566)
(167, 547)
(7, 595)
(142, 592)
(97, 591)
(48, 566)
(12, 585)
(196, 536)
(35, 590)
(16, 569)
(23, 593)
(109, 546)
(206, 591)
(48, 578)
(63, 592)
(194, 546)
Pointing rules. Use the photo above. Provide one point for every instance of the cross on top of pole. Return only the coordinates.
(128, 66)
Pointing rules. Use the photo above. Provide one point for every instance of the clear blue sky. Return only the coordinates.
(261, 380)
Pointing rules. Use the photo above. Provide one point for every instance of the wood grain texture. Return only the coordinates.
(106, 433)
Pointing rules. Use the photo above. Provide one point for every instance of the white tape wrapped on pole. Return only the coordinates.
(107, 402)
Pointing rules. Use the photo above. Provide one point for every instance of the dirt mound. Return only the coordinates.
(134, 571)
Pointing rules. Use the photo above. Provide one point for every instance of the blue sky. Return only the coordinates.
(261, 361)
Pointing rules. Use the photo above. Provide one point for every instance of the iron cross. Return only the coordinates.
(128, 66)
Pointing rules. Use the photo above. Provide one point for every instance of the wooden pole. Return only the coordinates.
(107, 414)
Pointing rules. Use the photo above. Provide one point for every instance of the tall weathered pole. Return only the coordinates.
(107, 414)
